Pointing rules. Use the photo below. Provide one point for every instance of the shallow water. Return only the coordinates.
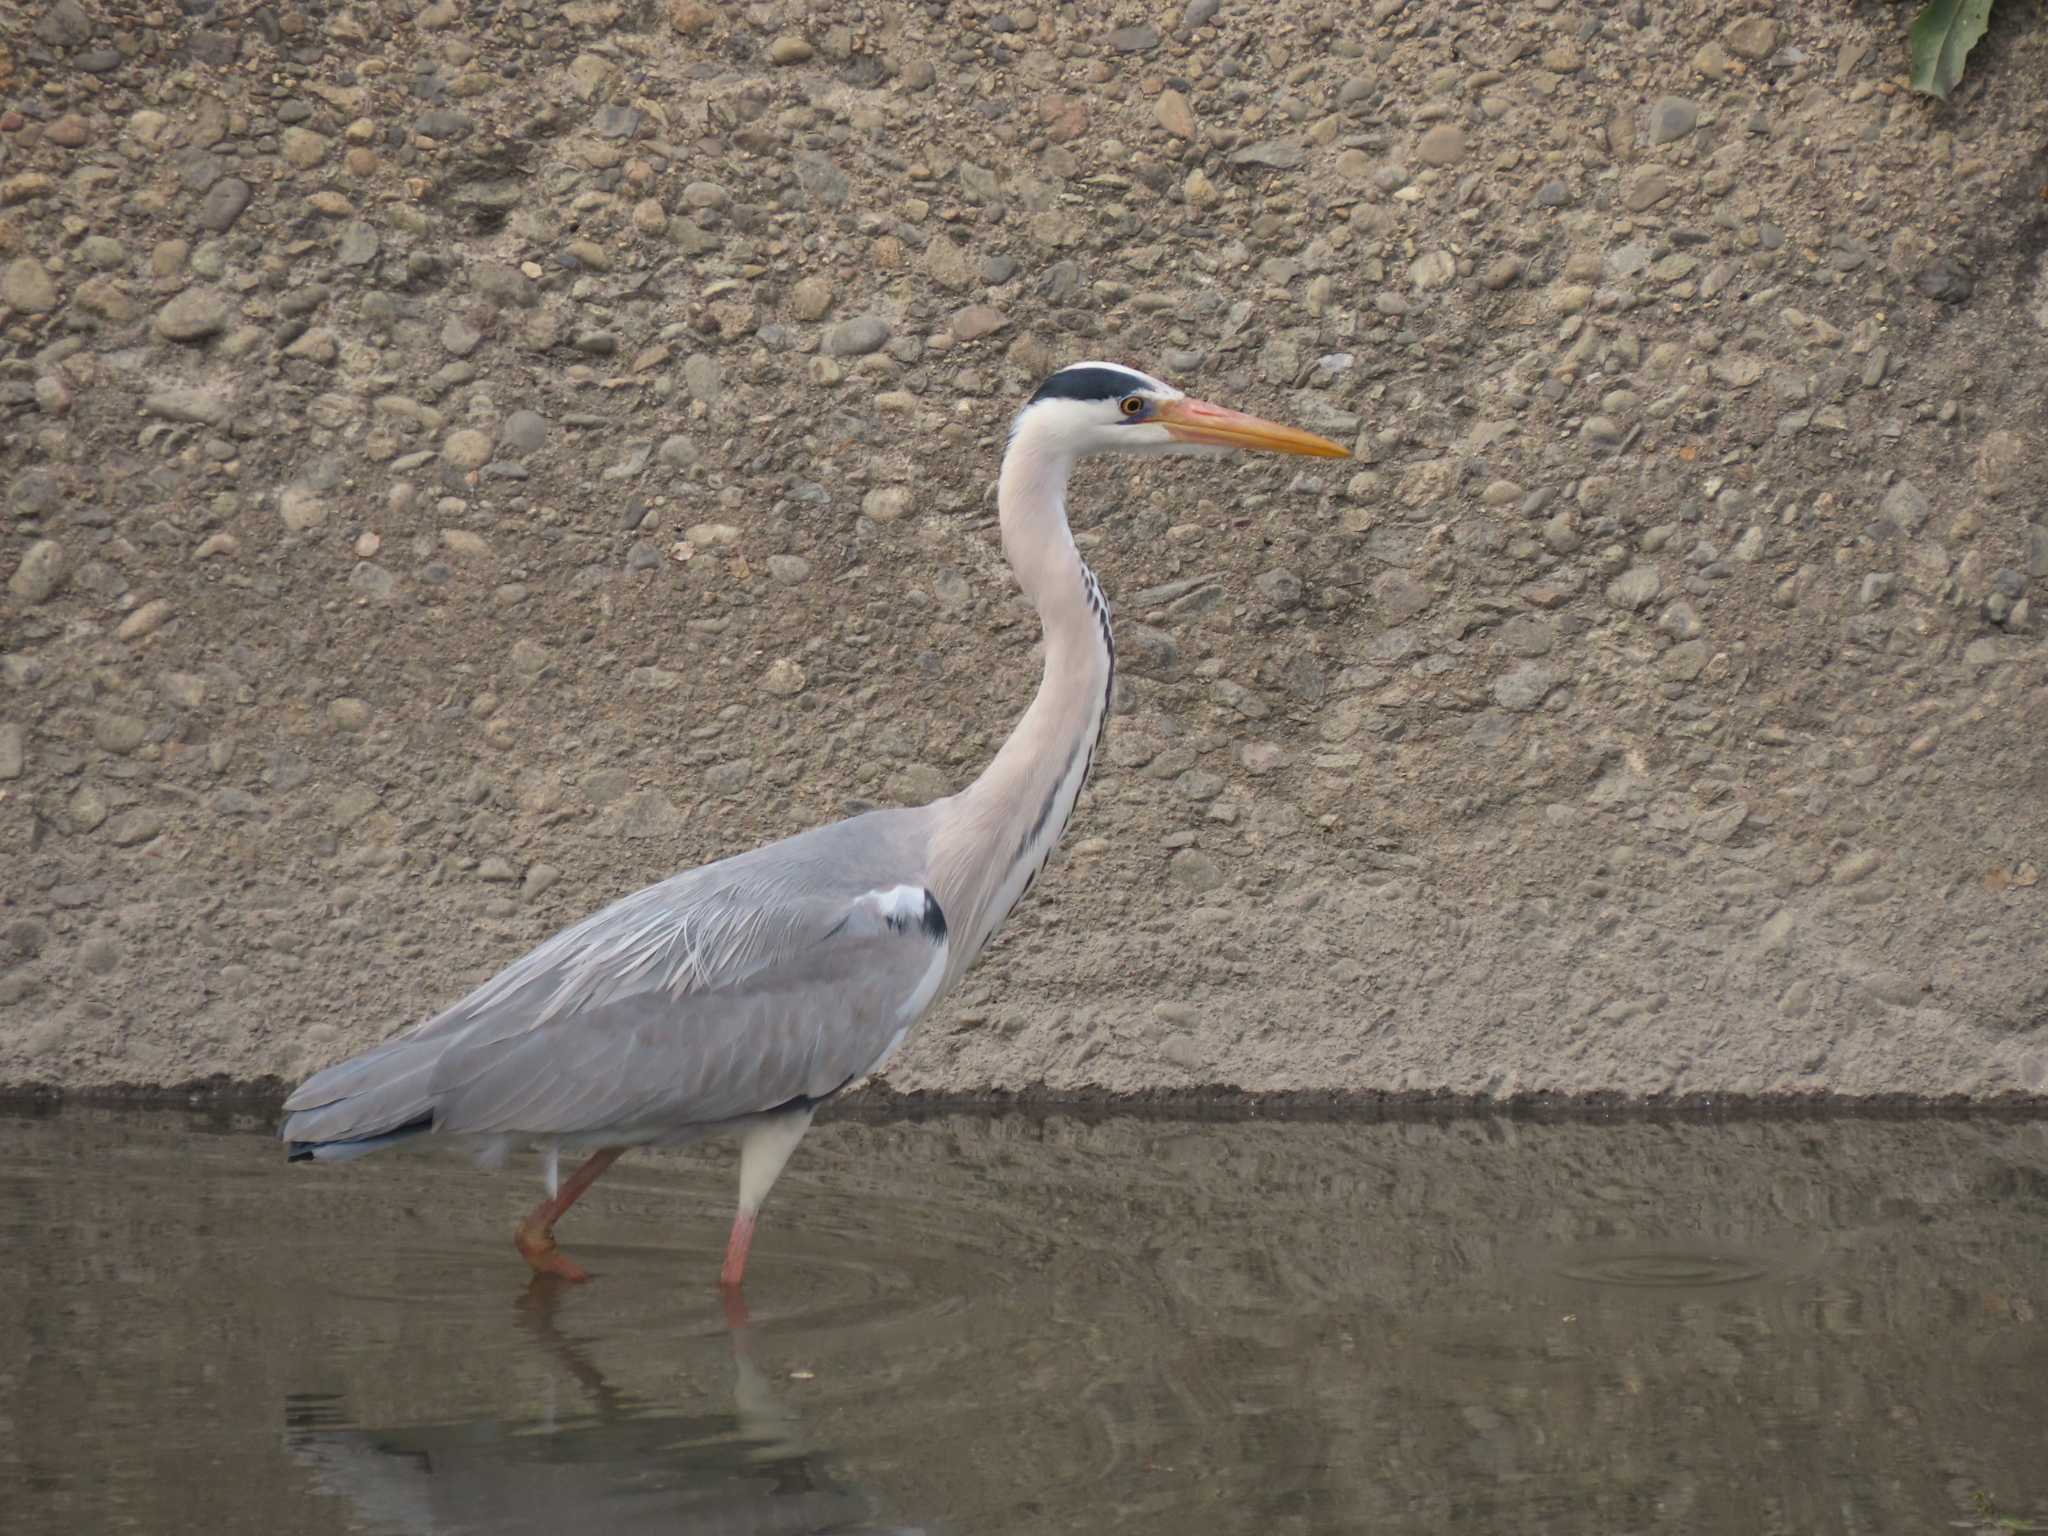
(997, 1324)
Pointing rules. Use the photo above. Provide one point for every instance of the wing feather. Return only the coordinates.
(725, 991)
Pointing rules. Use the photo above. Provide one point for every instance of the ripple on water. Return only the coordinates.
(1678, 1265)
(1667, 1268)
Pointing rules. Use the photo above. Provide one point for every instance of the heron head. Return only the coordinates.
(1090, 408)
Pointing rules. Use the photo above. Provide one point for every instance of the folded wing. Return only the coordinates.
(775, 976)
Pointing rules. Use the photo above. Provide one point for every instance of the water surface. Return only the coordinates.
(1024, 1324)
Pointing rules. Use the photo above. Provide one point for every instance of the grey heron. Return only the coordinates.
(739, 996)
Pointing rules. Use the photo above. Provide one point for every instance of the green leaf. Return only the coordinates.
(1943, 34)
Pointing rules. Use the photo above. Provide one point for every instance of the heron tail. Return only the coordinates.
(363, 1104)
(342, 1151)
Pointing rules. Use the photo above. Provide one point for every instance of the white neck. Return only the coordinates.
(994, 836)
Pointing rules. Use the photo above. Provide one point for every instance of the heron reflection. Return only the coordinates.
(595, 1457)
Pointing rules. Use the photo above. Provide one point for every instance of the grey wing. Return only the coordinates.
(729, 990)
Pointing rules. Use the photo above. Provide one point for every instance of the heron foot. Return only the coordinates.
(536, 1245)
(535, 1237)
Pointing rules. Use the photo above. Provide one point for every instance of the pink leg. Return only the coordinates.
(736, 1317)
(535, 1238)
(736, 1248)
(764, 1148)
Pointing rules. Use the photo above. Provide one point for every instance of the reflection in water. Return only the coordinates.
(628, 1465)
(1018, 1323)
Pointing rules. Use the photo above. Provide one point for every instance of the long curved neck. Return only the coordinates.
(994, 836)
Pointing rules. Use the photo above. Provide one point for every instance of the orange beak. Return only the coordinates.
(1197, 421)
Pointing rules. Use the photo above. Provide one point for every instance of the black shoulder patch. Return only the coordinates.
(1097, 383)
(934, 918)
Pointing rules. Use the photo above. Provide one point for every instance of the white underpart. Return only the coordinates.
(765, 1146)
(896, 909)
(914, 1005)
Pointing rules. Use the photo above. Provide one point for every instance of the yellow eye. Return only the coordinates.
(1133, 405)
